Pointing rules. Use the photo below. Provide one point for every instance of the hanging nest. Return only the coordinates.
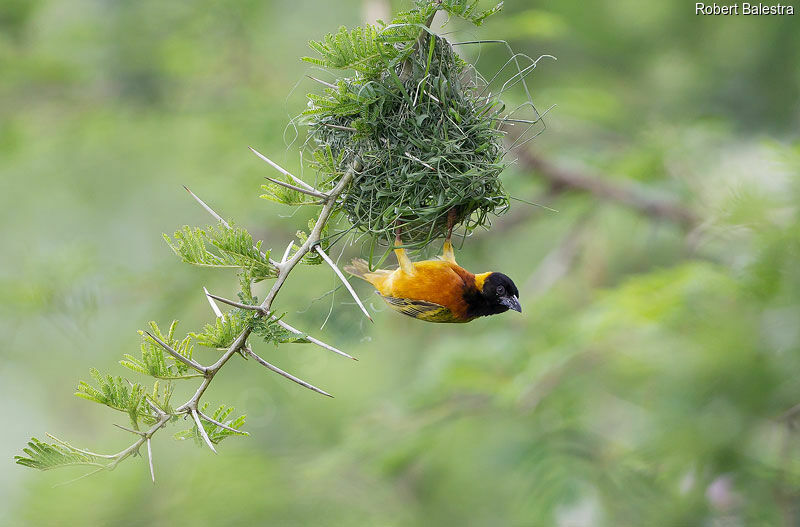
(418, 124)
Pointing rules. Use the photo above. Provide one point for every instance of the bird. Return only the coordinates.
(439, 290)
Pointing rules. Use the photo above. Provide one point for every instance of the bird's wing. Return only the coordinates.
(422, 310)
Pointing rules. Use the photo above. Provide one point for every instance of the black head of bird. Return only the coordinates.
(497, 294)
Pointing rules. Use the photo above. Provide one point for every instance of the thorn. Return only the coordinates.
(239, 304)
(155, 407)
(312, 193)
(221, 220)
(214, 306)
(150, 457)
(328, 84)
(282, 170)
(132, 431)
(202, 430)
(189, 362)
(286, 252)
(289, 376)
(349, 287)
(312, 340)
(209, 209)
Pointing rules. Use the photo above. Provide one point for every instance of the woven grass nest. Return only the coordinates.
(421, 131)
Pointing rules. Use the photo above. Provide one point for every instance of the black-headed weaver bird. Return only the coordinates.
(439, 290)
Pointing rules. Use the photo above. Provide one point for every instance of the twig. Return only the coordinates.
(123, 454)
(790, 414)
(335, 267)
(284, 270)
(289, 376)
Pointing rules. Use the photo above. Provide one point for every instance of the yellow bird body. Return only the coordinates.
(433, 290)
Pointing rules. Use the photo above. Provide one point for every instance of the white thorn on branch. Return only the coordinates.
(289, 376)
(311, 339)
(161, 413)
(239, 304)
(209, 209)
(328, 84)
(186, 360)
(283, 170)
(282, 324)
(349, 287)
(312, 193)
(222, 221)
(286, 252)
(150, 458)
(131, 430)
(214, 307)
(201, 429)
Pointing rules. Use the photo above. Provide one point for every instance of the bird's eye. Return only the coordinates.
(501, 290)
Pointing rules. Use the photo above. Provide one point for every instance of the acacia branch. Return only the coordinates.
(239, 344)
(285, 268)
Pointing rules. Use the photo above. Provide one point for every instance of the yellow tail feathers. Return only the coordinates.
(358, 267)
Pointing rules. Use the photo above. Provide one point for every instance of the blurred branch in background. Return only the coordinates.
(627, 194)
(615, 190)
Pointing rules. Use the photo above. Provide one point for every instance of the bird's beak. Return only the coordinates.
(511, 302)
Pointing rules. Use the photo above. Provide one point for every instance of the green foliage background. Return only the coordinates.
(644, 386)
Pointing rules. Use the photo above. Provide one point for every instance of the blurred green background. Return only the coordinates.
(646, 383)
